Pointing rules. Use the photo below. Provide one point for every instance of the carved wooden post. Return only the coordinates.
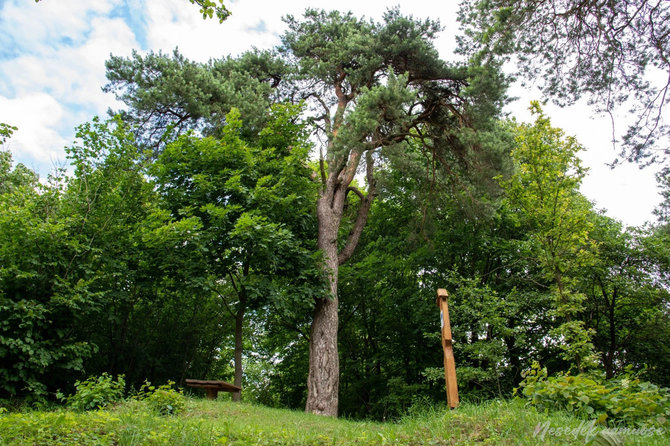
(449, 362)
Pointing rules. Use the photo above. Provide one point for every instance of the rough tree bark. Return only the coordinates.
(323, 378)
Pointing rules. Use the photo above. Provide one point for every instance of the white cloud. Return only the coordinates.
(55, 83)
(176, 23)
(49, 23)
(37, 117)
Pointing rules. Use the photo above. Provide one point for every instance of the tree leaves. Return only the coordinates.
(209, 8)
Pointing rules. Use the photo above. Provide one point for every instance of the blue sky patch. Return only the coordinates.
(132, 13)
(260, 27)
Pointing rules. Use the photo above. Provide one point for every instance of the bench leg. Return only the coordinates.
(212, 394)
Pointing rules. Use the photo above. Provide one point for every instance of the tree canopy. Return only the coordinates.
(172, 94)
(611, 52)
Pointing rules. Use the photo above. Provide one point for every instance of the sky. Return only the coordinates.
(52, 57)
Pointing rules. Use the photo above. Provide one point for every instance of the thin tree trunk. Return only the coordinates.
(239, 325)
(513, 354)
(609, 358)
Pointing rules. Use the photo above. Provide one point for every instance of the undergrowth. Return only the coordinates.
(623, 401)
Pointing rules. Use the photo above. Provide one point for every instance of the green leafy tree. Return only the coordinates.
(250, 207)
(627, 300)
(12, 177)
(95, 275)
(111, 208)
(39, 300)
(425, 233)
(545, 191)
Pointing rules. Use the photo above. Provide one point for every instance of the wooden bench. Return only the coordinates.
(213, 387)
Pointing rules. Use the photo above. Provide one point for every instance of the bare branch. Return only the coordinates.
(356, 191)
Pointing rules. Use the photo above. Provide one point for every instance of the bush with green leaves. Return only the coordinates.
(95, 393)
(164, 400)
(625, 399)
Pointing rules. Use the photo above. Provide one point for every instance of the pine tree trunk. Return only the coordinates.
(324, 367)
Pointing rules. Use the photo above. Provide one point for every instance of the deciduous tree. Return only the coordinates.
(627, 300)
(250, 208)
(545, 190)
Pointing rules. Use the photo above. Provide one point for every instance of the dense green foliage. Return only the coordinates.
(101, 262)
(38, 298)
(625, 399)
(504, 301)
(163, 400)
(172, 93)
(544, 190)
(103, 391)
(172, 254)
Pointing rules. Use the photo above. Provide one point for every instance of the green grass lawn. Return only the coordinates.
(223, 422)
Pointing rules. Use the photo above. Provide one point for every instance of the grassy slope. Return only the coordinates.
(221, 422)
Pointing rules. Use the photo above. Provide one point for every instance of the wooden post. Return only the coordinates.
(449, 362)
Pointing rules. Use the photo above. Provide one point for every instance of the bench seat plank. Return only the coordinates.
(213, 387)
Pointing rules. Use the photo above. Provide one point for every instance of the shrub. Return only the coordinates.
(164, 400)
(95, 393)
(626, 399)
